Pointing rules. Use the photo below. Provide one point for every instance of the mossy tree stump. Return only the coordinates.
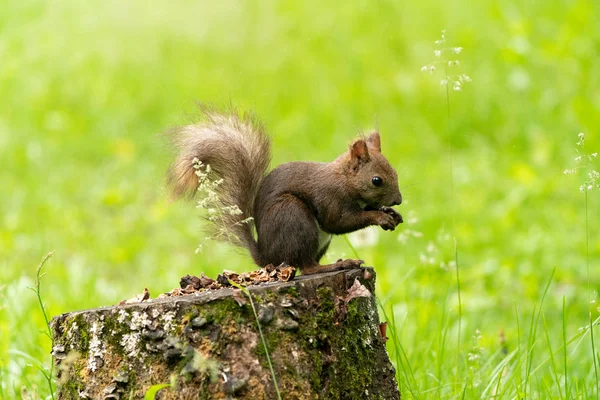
(321, 331)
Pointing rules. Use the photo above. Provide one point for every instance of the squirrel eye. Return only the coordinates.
(377, 181)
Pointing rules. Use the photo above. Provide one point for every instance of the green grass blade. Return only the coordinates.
(262, 337)
(153, 391)
(564, 331)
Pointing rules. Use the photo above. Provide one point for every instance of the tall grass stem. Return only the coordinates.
(452, 213)
(351, 247)
(262, 337)
(564, 332)
(587, 260)
(48, 375)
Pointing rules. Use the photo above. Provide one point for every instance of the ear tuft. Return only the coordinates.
(374, 142)
(359, 152)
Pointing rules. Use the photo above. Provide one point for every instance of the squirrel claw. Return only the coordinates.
(349, 263)
(398, 219)
(393, 213)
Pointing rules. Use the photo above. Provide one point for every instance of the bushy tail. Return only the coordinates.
(238, 151)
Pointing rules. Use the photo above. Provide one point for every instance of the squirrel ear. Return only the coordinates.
(359, 153)
(374, 142)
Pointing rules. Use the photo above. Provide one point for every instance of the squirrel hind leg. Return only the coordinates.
(288, 234)
(336, 266)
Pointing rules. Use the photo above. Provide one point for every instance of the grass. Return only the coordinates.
(153, 391)
(47, 372)
(87, 88)
(262, 338)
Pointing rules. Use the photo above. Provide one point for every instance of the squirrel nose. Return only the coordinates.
(398, 200)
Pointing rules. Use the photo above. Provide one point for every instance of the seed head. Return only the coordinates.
(440, 53)
(585, 160)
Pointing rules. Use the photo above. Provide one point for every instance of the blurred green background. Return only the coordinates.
(86, 88)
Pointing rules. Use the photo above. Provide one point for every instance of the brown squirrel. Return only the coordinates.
(298, 205)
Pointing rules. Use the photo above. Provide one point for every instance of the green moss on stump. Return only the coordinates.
(323, 344)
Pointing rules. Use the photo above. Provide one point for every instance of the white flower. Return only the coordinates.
(431, 247)
(403, 237)
(457, 50)
(442, 40)
(412, 218)
(364, 238)
(444, 82)
(437, 53)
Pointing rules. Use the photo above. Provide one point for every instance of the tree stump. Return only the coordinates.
(321, 332)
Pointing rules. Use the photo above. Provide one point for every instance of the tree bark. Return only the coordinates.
(321, 332)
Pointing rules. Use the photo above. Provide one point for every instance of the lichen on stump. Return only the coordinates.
(322, 334)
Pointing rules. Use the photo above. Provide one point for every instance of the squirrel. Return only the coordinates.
(295, 208)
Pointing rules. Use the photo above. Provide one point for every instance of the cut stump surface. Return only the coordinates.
(321, 332)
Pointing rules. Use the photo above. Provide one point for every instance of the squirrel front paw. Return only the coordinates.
(386, 221)
(395, 214)
(388, 218)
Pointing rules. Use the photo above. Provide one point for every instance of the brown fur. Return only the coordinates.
(298, 203)
(238, 151)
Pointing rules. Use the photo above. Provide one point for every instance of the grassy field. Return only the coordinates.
(86, 87)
